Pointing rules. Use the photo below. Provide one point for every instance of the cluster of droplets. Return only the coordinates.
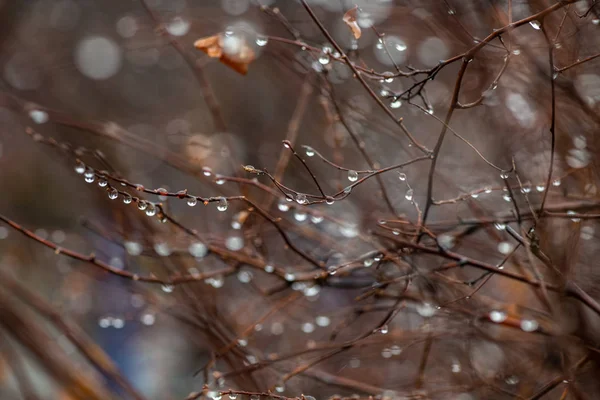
(389, 352)
(115, 322)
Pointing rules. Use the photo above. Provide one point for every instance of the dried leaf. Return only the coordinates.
(350, 20)
(232, 51)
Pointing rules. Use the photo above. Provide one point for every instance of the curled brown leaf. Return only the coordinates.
(232, 51)
(350, 20)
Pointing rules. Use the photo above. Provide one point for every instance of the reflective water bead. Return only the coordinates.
(386, 353)
(316, 219)
(556, 182)
(506, 197)
(127, 198)
(540, 188)
(261, 41)
(504, 175)
(535, 25)
(219, 180)
(396, 350)
(488, 190)
(206, 171)
(425, 310)
(234, 243)
(167, 288)
(571, 212)
(529, 325)
(113, 194)
(222, 204)
(368, 262)
(269, 268)
(192, 201)
(282, 206)
(329, 200)
(142, 205)
(395, 103)
(103, 182)
(505, 247)
(280, 387)
(289, 276)
(90, 179)
(322, 320)
(38, 116)
(384, 329)
(409, 194)
(500, 226)
(309, 151)
(388, 77)
(301, 198)
(300, 216)
(198, 249)
(352, 175)
(80, 168)
(348, 189)
(308, 327)
(233, 396)
(323, 59)
(497, 316)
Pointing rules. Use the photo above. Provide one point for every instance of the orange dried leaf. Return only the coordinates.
(350, 20)
(231, 51)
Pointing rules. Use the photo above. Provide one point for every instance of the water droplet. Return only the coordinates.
(352, 176)
(280, 387)
(556, 182)
(505, 247)
(217, 396)
(102, 183)
(409, 194)
(148, 319)
(167, 288)
(488, 190)
(234, 243)
(506, 197)
(455, 368)
(384, 330)
(192, 201)
(300, 216)
(261, 41)
(386, 353)
(388, 77)
(133, 248)
(309, 151)
(127, 198)
(308, 327)
(347, 189)
(206, 171)
(316, 219)
(535, 25)
(198, 249)
(38, 116)
(312, 291)
(105, 322)
(402, 176)
(269, 268)
(474, 195)
(324, 59)
(571, 212)
(282, 206)
(529, 325)
(142, 205)
(301, 198)
(244, 276)
(497, 316)
(289, 276)
(426, 310)
(233, 396)
(516, 52)
(540, 188)
(162, 249)
(219, 180)
(512, 380)
(368, 262)
(323, 321)
(504, 175)
(329, 200)
(396, 103)
(113, 194)
(80, 168)
(118, 323)
(500, 226)
(222, 204)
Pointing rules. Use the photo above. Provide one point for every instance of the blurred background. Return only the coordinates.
(117, 89)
